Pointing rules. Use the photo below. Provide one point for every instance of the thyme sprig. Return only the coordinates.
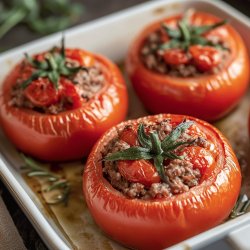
(151, 147)
(34, 169)
(52, 67)
(186, 35)
(241, 206)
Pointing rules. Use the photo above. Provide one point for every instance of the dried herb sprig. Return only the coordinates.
(152, 148)
(34, 169)
(241, 206)
(53, 66)
(186, 35)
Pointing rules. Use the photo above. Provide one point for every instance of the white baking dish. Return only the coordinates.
(111, 36)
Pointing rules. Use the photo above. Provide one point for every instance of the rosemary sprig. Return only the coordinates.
(186, 35)
(152, 148)
(241, 206)
(41, 16)
(34, 169)
(53, 66)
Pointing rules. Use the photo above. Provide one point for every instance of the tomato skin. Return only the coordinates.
(68, 135)
(162, 222)
(208, 97)
(175, 57)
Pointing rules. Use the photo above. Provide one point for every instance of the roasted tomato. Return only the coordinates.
(56, 104)
(195, 65)
(178, 178)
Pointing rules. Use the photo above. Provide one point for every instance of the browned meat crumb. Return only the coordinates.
(152, 58)
(135, 190)
(89, 82)
(159, 190)
(181, 176)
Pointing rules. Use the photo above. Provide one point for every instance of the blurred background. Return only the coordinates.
(22, 21)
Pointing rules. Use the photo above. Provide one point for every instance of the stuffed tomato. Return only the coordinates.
(56, 104)
(155, 181)
(194, 64)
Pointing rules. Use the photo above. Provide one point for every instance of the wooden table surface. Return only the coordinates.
(21, 35)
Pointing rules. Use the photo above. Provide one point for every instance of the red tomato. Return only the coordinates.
(205, 57)
(175, 57)
(129, 135)
(208, 96)
(166, 221)
(139, 171)
(41, 93)
(201, 158)
(70, 134)
(69, 92)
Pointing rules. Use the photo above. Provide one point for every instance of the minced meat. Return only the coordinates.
(180, 174)
(86, 82)
(152, 57)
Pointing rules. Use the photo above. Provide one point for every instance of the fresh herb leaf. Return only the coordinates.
(156, 144)
(59, 15)
(175, 134)
(158, 163)
(241, 206)
(133, 153)
(172, 33)
(200, 30)
(34, 169)
(143, 138)
(53, 66)
(172, 44)
(186, 34)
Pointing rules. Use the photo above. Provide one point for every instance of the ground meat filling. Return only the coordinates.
(152, 58)
(87, 84)
(181, 174)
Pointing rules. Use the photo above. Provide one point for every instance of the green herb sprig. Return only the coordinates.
(53, 66)
(241, 206)
(41, 16)
(34, 169)
(186, 35)
(152, 148)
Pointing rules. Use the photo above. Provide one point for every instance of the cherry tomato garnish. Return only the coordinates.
(41, 92)
(175, 57)
(129, 135)
(69, 95)
(205, 57)
(201, 158)
(140, 171)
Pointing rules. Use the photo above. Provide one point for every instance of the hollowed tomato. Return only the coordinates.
(70, 134)
(206, 96)
(161, 222)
